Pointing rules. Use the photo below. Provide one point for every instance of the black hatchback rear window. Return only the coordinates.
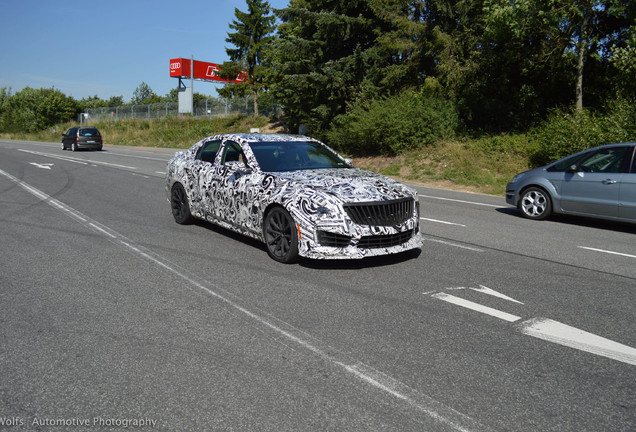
(89, 132)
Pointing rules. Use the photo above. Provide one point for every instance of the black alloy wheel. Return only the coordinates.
(281, 237)
(180, 206)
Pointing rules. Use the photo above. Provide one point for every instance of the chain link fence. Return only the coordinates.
(211, 107)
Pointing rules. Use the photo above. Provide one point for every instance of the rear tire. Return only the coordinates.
(180, 206)
(281, 237)
(535, 203)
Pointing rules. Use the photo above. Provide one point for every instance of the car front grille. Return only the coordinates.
(385, 241)
(326, 238)
(381, 213)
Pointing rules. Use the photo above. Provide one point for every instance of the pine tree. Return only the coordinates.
(253, 33)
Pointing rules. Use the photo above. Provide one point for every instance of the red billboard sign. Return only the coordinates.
(180, 68)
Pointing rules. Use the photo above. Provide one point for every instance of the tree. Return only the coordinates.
(325, 56)
(568, 40)
(115, 101)
(91, 102)
(253, 34)
(31, 110)
(143, 94)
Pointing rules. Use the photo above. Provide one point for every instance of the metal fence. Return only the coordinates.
(211, 107)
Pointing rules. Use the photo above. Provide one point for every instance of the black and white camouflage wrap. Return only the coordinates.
(238, 199)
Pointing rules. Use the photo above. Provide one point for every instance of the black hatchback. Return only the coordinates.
(77, 138)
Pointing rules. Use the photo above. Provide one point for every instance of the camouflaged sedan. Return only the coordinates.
(295, 194)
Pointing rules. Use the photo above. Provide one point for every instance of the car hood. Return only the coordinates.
(349, 184)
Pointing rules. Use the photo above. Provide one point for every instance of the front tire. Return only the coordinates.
(180, 206)
(535, 203)
(281, 237)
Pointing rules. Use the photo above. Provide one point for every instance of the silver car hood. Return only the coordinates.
(349, 184)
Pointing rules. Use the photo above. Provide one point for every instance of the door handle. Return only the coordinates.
(609, 181)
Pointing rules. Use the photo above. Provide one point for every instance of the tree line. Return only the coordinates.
(427, 69)
(32, 110)
(384, 76)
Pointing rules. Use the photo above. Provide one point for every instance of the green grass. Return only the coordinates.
(480, 165)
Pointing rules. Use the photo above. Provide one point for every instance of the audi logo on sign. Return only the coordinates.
(176, 65)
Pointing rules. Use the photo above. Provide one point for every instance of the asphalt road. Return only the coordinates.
(113, 317)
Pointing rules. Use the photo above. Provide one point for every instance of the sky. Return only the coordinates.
(109, 47)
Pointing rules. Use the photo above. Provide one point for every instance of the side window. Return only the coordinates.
(633, 171)
(611, 160)
(567, 162)
(233, 153)
(72, 132)
(207, 152)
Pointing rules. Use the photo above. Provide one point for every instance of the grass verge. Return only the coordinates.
(481, 165)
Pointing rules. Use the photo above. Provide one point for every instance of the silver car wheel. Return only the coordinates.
(535, 204)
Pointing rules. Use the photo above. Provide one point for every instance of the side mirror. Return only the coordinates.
(572, 169)
(349, 161)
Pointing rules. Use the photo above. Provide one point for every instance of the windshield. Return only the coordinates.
(295, 155)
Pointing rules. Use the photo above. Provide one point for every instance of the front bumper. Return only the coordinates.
(355, 252)
(511, 195)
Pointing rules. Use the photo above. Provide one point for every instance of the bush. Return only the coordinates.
(566, 131)
(394, 125)
(31, 110)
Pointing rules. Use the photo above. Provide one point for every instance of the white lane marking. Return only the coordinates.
(140, 157)
(492, 292)
(427, 405)
(608, 252)
(484, 290)
(460, 201)
(476, 307)
(78, 160)
(64, 158)
(42, 165)
(442, 222)
(410, 396)
(563, 334)
(552, 331)
(474, 249)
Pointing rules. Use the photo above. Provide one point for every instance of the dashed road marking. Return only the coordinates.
(443, 222)
(608, 252)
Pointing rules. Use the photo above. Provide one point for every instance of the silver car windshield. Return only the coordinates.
(295, 155)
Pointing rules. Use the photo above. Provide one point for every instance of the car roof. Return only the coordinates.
(264, 137)
(613, 145)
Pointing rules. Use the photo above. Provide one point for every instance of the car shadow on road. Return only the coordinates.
(327, 264)
(357, 264)
(581, 221)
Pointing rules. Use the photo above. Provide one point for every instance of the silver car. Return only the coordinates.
(599, 182)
